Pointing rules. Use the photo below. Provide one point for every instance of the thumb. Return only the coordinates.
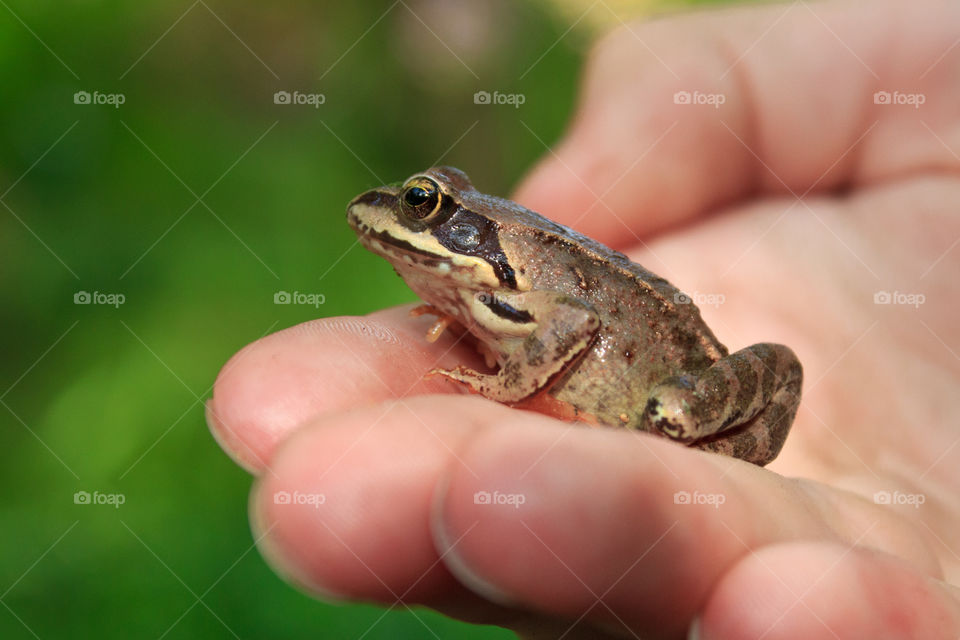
(635, 160)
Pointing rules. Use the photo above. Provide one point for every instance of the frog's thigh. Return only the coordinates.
(757, 388)
(561, 335)
(759, 442)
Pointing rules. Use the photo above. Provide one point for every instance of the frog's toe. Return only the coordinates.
(667, 412)
(459, 374)
(466, 378)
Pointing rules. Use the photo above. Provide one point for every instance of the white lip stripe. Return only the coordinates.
(381, 220)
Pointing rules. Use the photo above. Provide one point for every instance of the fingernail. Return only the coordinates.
(219, 431)
(288, 569)
(446, 545)
(696, 630)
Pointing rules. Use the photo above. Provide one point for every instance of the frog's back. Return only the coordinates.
(624, 293)
(644, 315)
(649, 329)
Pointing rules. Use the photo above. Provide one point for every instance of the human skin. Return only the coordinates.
(797, 199)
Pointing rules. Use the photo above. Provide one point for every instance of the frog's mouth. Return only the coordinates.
(386, 244)
(397, 250)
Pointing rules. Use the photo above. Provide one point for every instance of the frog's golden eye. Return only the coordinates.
(420, 198)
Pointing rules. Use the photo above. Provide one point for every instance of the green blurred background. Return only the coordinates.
(197, 200)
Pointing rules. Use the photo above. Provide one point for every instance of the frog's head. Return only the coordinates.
(437, 228)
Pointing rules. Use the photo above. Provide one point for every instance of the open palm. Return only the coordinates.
(801, 183)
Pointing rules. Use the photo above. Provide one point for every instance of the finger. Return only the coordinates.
(629, 530)
(275, 384)
(343, 512)
(815, 590)
(346, 511)
(773, 119)
(373, 471)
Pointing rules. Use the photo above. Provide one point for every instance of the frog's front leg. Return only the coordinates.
(564, 330)
(757, 388)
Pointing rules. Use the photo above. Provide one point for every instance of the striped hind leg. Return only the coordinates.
(741, 406)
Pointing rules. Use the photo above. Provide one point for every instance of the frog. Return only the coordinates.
(570, 327)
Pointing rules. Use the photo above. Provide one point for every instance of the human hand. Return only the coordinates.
(797, 199)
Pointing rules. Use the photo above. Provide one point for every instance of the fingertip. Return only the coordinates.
(229, 441)
(276, 384)
(264, 517)
(343, 509)
(266, 390)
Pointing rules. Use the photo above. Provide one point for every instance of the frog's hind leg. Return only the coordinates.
(742, 406)
(760, 440)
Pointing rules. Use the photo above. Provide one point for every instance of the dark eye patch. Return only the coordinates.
(470, 234)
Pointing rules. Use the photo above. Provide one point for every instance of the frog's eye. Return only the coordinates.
(465, 236)
(420, 198)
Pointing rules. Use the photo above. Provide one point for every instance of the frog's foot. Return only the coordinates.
(474, 381)
(560, 337)
(425, 310)
(741, 406)
(438, 327)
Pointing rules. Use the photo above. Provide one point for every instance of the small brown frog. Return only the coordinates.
(575, 329)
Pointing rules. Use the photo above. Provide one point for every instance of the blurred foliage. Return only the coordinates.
(197, 200)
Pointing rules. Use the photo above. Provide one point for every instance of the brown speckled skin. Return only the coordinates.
(651, 364)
